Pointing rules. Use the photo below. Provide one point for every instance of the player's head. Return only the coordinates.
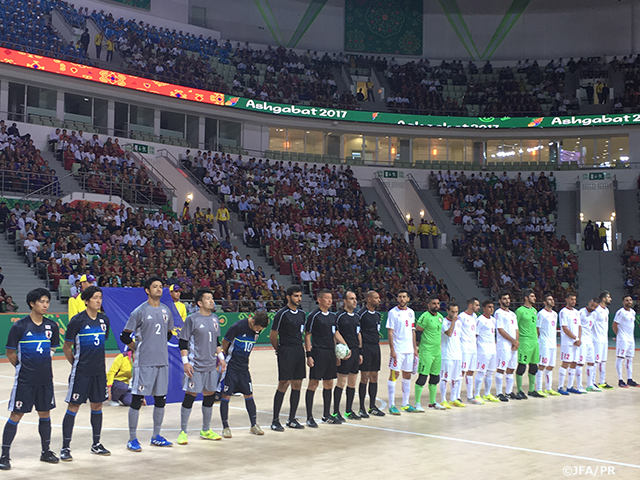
(452, 310)
(294, 296)
(92, 297)
(604, 298)
(325, 299)
(350, 301)
(593, 303)
(627, 301)
(529, 297)
(38, 300)
(571, 300)
(505, 300)
(487, 308)
(473, 305)
(373, 299)
(402, 297)
(433, 304)
(549, 301)
(175, 291)
(153, 287)
(204, 300)
(258, 321)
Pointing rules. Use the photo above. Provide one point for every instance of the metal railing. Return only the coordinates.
(135, 193)
(398, 218)
(27, 183)
(143, 161)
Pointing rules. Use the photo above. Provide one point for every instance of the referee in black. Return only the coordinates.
(370, 321)
(349, 327)
(286, 337)
(320, 338)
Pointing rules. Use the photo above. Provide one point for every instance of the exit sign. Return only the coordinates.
(390, 174)
(596, 176)
(140, 148)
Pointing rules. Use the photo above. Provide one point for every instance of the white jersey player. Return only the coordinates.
(586, 353)
(468, 321)
(507, 347)
(570, 335)
(547, 323)
(451, 356)
(486, 366)
(623, 326)
(601, 337)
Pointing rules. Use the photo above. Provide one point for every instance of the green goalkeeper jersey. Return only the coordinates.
(431, 336)
(527, 317)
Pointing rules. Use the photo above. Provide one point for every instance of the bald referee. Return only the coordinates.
(370, 320)
(286, 338)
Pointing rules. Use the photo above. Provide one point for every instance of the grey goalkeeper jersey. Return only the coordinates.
(202, 333)
(151, 325)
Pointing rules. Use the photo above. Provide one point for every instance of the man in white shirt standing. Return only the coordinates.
(601, 337)
(507, 347)
(586, 353)
(623, 326)
(451, 356)
(401, 326)
(546, 325)
(468, 323)
(570, 341)
(486, 330)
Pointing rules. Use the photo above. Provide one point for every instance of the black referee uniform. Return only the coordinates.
(349, 327)
(322, 327)
(370, 330)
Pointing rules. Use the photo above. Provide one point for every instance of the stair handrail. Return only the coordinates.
(402, 226)
(163, 152)
(142, 160)
(50, 185)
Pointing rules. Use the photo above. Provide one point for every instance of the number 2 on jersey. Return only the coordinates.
(158, 329)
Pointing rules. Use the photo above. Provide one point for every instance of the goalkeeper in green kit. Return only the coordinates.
(528, 351)
(430, 327)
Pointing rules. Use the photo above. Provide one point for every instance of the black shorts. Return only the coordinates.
(370, 357)
(324, 364)
(291, 362)
(87, 387)
(351, 364)
(236, 382)
(25, 397)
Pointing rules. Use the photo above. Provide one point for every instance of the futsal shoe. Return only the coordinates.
(311, 423)
(537, 394)
(209, 435)
(276, 426)
(226, 432)
(98, 449)
(65, 455)
(375, 411)
(363, 414)
(446, 405)
(5, 462)
(478, 399)
(490, 398)
(49, 457)
(338, 417)
(513, 396)
(352, 416)
(458, 403)
(573, 390)
(408, 408)
(160, 441)
(582, 390)
(393, 410)
(594, 388)
(522, 395)
(436, 406)
(621, 384)
(331, 420)
(475, 401)
(606, 386)
(182, 439)
(256, 430)
(553, 393)
(419, 408)
(293, 423)
(134, 445)
(503, 398)
(631, 383)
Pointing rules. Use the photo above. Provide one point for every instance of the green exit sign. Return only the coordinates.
(390, 174)
(596, 176)
(140, 148)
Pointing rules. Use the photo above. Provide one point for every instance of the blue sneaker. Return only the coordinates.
(134, 445)
(573, 390)
(160, 441)
(562, 391)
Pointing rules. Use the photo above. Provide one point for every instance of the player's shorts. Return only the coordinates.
(569, 353)
(402, 363)
(201, 382)
(585, 353)
(291, 362)
(324, 364)
(468, 362)
(450, 370)
(625, 349)
(370, 357)
(548, 357)
(150, 381)
(529, 352)
(429, 364)
(236, 382)
(351, 364)
(486, 362)
(83, 387)
(25, 397)
(507, 358)
(600, 351)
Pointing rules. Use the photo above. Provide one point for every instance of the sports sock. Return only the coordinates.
(509, 383)
(185, 413)
(251, 410)
(562, 373)
(133, 423)
(488, 382)
(373, 393)
(593, 374)
(406, 391)
(10, 430)
(603, 372)
(455, 386)
(294, 399)
(619, 367)
(96, 425)
(549, 376)
(433, 389)
(207, 412)
(351, 393)
(579, 376)
(326, 402)
(362, 394)
(539, 377)
(278, 398)
(499, 382)
(337, 396)
(391, 389)
(308, 401)
(443, 390)
(458, 384)
(67, 428)
(533, 381)
(224, 412)
(469, 381)
(519, 379)
(570, 376)
(44, 429)
(158, 417)
(418, 393)
(629, 368)
(478, 383)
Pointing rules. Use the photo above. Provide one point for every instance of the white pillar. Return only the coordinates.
(60, 106)
(201, 132)
(156, 122)
(111, 116)
(4, 96)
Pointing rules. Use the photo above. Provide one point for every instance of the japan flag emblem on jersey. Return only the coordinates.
(165, 317)
(18, 404)
(48, 334)
(103, 327)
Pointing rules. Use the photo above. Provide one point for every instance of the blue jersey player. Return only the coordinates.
(84, 348)
(237, 345)
(30, 344)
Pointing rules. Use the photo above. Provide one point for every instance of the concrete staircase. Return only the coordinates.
(600, 271)
(442, 218)
(371, 196)
(627, 214)
(568, 215)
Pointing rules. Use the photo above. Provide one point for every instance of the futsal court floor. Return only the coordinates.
(594, 435)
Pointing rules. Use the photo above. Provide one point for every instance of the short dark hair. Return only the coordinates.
(261, 319)
(504, 294)
(432, 298)
(201, 293)
(487, 302)
(322, 292)
(526, 292)
(472, 300)
(89, 292)
(603, 294)
(403, 290)
(149, 281)
(627, 295)
(36, 294)
(451, 305)
(547, 295)
(571, 294)
(293, 289)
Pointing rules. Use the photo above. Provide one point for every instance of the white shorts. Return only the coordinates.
(468, 361)
(402, 363)
(585, 353)
(600, 351)
(625, 349)
(548, 357)
(507, 359)
(569, 353)
(450, 370)
(486, 361)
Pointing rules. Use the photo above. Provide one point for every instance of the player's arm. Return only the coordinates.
(392, 352)
(415, 341)
(360, 346)
(578, 342)
(614, 325)
(12, 356)
(225, 346)
(183, 345)
(273, 334)
(67, 349)
(220, 355)
(448, 332)
(307, 348)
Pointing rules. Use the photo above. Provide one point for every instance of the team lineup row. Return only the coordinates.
(439, 349)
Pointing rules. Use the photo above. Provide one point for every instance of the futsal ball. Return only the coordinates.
(342, 351)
